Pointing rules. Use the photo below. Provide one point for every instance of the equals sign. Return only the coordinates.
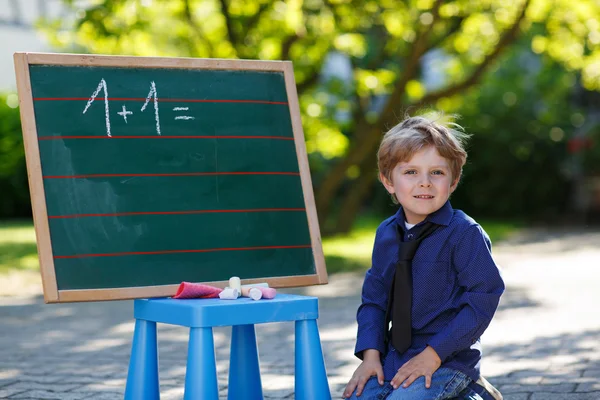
(184, 117)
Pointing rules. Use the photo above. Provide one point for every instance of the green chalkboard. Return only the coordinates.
(154, 171)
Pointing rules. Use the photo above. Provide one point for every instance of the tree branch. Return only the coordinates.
(228, 24)
(378, 59)
(419, 48)
(358, 116)
(187, 13)
(286, 45)
(308, 82)
(253, 20)
(455, 27)
(507, 38)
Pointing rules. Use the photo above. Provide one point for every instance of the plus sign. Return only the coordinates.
(125, 113)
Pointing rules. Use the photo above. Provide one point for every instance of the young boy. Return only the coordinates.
(433, 352)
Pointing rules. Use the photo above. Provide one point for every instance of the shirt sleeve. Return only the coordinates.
(375, 292)
(481, 286)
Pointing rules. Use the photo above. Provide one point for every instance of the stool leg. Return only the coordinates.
(201, 372)
(244, 371)
(142, 378)
(311, 377)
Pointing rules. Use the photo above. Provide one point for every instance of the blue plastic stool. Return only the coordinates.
(200, 315)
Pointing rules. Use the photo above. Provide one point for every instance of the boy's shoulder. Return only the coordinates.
(460, 218)
(461, 223)
(382, 227)
(386, 222)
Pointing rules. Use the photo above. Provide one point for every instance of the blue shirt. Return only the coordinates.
(456, 290)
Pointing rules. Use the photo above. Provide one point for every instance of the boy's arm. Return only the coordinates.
(375, 291)
(480, 279)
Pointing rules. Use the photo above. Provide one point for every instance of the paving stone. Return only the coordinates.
(517, 396)
(7, 392)
(52, 387)
(41, 379)
(560, 388)
(592, 373)
(46, 395)
(104, 396)
(588, 387)
(565, 396)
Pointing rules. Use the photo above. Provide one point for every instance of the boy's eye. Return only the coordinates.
(438, 172)
(410, 172)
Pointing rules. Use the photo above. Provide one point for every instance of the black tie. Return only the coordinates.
(400, 299)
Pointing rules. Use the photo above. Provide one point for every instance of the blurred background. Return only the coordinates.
(524, 76)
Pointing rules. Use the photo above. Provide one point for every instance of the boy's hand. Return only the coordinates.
(424, 364)
(370, 366)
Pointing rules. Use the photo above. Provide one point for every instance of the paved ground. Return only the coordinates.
(544, 343)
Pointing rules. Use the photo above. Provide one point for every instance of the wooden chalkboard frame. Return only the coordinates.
(38, 199)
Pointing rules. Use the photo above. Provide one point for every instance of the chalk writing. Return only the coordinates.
(125, 113)
(153, 94)
(184, 117)
(101, 86)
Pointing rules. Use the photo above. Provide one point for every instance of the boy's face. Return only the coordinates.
(422, 184)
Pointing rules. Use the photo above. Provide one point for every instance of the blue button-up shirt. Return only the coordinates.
(456, 290)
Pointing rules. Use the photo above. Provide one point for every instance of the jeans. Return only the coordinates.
(446, 383)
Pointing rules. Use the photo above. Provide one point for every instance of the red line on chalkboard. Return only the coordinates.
(180, 174)
(161, 100)
(164, 137)
(174, 212)
(131, 253)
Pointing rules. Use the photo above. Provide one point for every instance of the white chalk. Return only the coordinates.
(235, 283)
(255, 294)
(261, 284)
(252, 292)
(229, 294)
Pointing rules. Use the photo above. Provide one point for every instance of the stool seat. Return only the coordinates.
(198, 313)
(201, 315)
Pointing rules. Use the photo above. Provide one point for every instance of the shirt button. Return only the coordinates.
(410, 236)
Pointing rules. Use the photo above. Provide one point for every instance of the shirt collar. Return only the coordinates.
(443, 216)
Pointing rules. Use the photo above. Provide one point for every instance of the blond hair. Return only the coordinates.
(401, 143)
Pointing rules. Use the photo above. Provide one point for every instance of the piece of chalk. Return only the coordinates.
(235, 283)
(255, 294)
(260, 284)
(267, 293)
(251, 292)
(229, 294)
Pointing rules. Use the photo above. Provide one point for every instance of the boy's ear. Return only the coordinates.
(389, 186)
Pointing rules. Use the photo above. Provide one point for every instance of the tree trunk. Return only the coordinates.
(329, 187)
(362, 153)
(355, 199)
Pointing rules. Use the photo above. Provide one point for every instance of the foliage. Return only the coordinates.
(519, 163)
(14, 200)
(17, 246)
(379, 59)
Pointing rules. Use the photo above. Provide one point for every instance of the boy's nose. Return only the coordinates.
(425, 183)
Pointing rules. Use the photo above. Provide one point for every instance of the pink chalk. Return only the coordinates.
(188, 290)
(267, 292)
